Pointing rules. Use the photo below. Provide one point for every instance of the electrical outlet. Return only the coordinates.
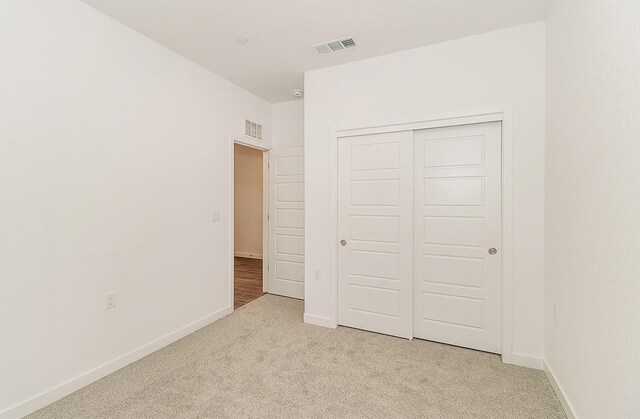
(555, 312)
(111, 301)
(215, 218)
(316, 273)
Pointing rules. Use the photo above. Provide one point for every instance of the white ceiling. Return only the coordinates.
(281, 32)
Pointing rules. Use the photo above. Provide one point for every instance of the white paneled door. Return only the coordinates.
(419, 224)
(457, 204)
(375, 229)
(286, 222)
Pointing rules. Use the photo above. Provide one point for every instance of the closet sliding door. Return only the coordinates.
(375, 230)
(457, 256)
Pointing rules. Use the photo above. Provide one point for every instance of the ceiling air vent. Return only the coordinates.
(337, 45)
(252, 129)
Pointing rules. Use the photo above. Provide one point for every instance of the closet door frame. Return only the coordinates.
(501, 114)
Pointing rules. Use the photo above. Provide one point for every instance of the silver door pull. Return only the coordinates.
(343, 242)
(493, 251)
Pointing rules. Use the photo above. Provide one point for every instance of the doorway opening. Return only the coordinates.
(248, 229)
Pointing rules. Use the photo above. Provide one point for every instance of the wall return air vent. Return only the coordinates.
(337, 45)
(252, 129)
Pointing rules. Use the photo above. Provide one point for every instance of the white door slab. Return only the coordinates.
(286, 222)
(457, 191)
(375, 221)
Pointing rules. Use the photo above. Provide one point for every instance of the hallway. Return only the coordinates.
(247, 284)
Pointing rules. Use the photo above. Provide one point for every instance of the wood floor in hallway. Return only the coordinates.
(247, 283)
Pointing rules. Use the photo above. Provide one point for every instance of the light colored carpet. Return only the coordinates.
(263, 361)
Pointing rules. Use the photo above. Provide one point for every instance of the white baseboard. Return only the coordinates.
(318, 321)
(56, 393)
(566, 405)
(526, 361)
(247, 255)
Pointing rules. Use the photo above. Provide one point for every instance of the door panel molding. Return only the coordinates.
(286, 222)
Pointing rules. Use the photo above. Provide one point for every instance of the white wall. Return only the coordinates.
(248, 218)
(499, 68)
(592, 232)
(288, 124)
(113, 155)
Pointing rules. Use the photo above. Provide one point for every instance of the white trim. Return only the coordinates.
(265, 220)
(506, 331)
(526, 361)
(434, 122)
(247, 255)
(491, 114)
(249, 142)
(319, 321)
(56, 393)
(258, 145)
(564, 401)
